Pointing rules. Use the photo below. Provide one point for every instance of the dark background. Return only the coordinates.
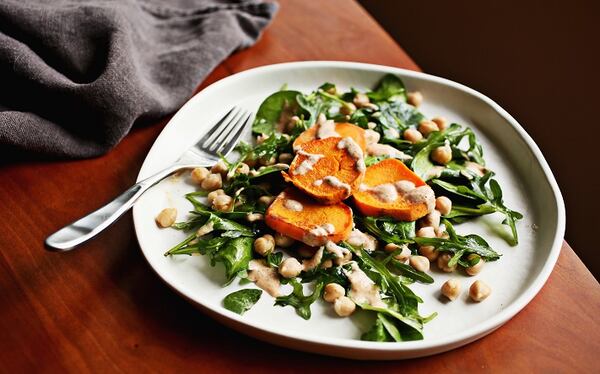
(539, 60)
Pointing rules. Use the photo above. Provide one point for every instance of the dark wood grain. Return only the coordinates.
(102, 309)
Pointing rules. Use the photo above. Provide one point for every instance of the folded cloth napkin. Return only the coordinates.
(76, 74)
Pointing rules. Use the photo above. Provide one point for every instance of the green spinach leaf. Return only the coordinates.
(390, 87)
(275, 111)
(241, 301)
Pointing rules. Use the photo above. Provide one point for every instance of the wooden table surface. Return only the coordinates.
(102, 309)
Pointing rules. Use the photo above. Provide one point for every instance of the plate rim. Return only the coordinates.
(454, 340)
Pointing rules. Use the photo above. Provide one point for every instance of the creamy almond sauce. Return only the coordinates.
(342, 255)
(363, 290)
(371, 136)
(318, 182)
(434, 172)
(314, 261)
(336, 183)
(264, 276)
(389, 192)
(378, 149)
(294, 205)
(358, 238)
(326, 128)
(318, 234)
(354, 151)
(479, 170)
(308, 164)
(423, 194)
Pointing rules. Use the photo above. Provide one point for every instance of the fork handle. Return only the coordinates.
(94, 223)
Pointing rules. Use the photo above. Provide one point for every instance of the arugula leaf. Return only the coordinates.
(460, 246)
(409, 271)
(274, 110)
(200, 246)
(377, 333)
(241, 301)
(235, 256)
(486, 196)
(390, 230)
(298, 300)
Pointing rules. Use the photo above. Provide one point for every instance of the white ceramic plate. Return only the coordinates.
(528, 184)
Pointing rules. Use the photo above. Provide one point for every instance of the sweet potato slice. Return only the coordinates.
(344, 129)
(327, 169)
(298, 216)
(381, 195)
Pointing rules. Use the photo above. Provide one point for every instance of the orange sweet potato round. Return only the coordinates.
(326, 171)
(298, 216)
(344, 129)
(372, 199)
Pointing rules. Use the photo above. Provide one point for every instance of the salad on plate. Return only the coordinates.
(349, 198)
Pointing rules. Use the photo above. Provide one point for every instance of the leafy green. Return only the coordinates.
(486, 197)
(235, 256)
(390, 230)
(460, 246)
(390, 87)
(298, 300)
(241, 301)
(274, 259)
(275, 109)
(377, 333)
(409, 271)
(398, 115)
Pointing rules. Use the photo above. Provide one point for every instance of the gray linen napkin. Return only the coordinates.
(76, 75)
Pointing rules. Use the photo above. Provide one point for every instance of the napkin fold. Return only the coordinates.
(75, 75)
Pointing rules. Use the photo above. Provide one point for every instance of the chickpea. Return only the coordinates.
(427, 127)
(442, 155)
(440, 232)
(332, 90)
(212, 182)
(332, 292)
(441, 122)
(290, 268)
(371, 106)
(414, 98)
(371, 125)
(419, 263)
(412, 135)
(212, 195)
(264, 245)
(283, 241)
(443, 205)
(223, 203)
(267, 161)
(326, 264)
(243, 169)
(266, 200)
(432, 219)
(261, 138)
(429, 251)
(344, 306)
(253, 217)
(442, 263)
(198, 174)
(361, 100)
(166, 217)
(292, 123)
(205, 229)
(250, 161)
(347, 109)
(220, 167)
(479, 291)
(404, 251)
(475, 269)
(451, 289)
(426, 232)
(286, 158)
(372, 137)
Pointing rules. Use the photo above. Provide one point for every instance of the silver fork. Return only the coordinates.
(221, 139)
